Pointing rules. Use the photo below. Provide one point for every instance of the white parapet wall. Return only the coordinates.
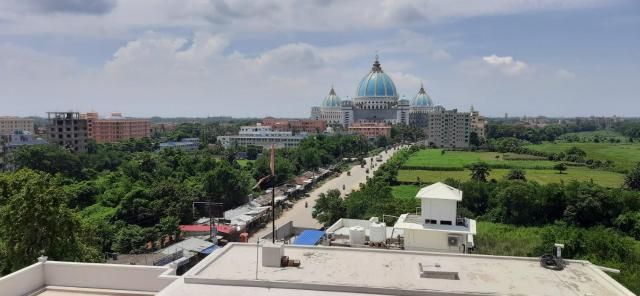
(23, 281)
(86, 275)
(108, 276)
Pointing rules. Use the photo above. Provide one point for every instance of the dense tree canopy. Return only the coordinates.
(329, 208)
(35, 220)
(632, 179)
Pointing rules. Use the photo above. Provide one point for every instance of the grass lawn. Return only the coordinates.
(624, 155)
(244, 162)
(458, 159)
(604, 178)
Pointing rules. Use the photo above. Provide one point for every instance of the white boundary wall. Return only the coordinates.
(86, 275)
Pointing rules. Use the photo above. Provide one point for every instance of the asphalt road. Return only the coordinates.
(301, 216)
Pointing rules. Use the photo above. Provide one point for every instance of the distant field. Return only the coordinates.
(604, 135)
(604, 178)
(624, 155)
(459, 159)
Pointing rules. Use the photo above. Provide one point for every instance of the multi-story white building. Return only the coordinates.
(263, 136)
(447, 128)
(11, 124)
(184, 144)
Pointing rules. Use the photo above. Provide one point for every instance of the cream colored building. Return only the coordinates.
(478, 124)
(11, 124)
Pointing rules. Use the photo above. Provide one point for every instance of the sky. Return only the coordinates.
(254, 58)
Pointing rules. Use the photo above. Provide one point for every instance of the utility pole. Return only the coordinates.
(272, 166)
(210, 222)
(209, 206)
(273, 213)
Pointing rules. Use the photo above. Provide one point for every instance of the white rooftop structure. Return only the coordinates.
(241, 269)
(440, 191)
(436, 228)
(238, 270)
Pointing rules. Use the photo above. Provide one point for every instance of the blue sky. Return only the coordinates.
(259, 58)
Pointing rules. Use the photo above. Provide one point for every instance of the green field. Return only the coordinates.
(602, 135)
(459, 159)
(604, 178)
(624, 155)
(244, 162)
(404, 191)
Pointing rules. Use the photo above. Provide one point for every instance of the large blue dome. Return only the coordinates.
(331, 100)
(422, 99)
(376, 84)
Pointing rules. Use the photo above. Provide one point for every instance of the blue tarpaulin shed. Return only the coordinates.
(210, 250)
(309, 237)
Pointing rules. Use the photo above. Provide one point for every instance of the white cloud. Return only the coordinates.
(507, 65)
(247, 16)
(565, 74)
(408, 82)
(19, 62)
(162, 74)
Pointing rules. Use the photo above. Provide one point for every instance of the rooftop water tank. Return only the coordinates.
(378, 233)
(356, 235)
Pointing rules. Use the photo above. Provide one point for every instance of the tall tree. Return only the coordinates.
(632, 179)
(516, 174)
(561, 167)
(474, 139)
(34, 221)
(516, 203)
(227, 185)
(329, 207)
(48, 158)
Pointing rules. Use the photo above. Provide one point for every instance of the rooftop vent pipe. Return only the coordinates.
(553, 262)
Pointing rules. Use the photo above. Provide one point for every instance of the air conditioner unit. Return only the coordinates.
(453, 241)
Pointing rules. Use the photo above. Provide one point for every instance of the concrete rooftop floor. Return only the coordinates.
(358, 270)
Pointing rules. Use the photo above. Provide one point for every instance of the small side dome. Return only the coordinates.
(422, 99)
(332, 100)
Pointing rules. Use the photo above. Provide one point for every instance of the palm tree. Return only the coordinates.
(480, 171)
